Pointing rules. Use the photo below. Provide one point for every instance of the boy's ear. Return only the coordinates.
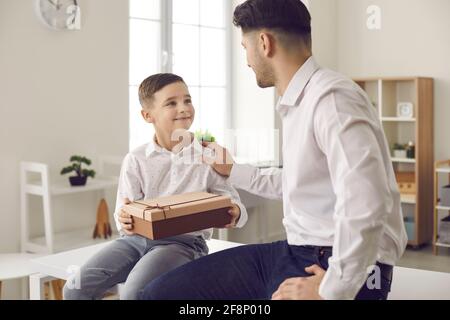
(147, 116)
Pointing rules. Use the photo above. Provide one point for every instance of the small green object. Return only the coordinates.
(204, 136)
(77, 162)
(398, 146)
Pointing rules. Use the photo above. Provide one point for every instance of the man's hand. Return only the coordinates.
(235, 213)
(126, 221)
(301, 288)
(221, 161)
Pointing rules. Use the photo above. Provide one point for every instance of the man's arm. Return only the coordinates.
(352, 140)
(266, 183)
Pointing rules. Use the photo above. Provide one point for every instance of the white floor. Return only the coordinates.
(424, 258)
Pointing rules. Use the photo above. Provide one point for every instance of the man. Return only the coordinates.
(340, 199)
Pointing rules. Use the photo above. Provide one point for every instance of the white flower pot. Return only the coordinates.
(399, 153)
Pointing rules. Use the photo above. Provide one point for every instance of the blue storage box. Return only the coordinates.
(410, 226)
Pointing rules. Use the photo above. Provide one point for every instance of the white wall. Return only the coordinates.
(60, 93)
(413, 41)
(324, 31)
(253, 108)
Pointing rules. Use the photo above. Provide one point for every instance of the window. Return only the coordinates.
(190, 38)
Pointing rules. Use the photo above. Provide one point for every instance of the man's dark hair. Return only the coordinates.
(285, 17)
(153, 84)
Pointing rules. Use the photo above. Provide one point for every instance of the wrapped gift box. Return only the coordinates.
(173, 215)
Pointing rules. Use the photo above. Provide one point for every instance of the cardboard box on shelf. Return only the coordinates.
(173, 215)
(406, 182)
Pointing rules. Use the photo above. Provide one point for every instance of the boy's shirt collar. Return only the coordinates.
(153, 147)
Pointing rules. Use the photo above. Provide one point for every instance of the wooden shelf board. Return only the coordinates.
(397, 119)
(405, 160)
(63, 187)
(443, 208)
(445, 169)
(369, 79)
(408, 198)
(439, 244)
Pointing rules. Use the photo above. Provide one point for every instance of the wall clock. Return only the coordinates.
(60, 14)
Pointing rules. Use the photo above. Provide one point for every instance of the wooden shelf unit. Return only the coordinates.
(385, 93)
(441, 168)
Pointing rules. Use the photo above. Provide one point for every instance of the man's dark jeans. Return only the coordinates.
(250, 272)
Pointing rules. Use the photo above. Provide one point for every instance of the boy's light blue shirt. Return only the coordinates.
(151, 171)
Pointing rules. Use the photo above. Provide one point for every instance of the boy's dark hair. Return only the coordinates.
(153, 84)
(286, 17)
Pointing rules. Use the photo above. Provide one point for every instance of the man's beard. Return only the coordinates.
(265, 78)
(264, 83)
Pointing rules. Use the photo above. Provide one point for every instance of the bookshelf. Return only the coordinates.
(441, 209)
(385, 94)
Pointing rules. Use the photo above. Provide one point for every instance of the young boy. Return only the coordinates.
(156, 169)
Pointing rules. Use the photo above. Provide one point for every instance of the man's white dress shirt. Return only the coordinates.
(151, 171)
(337, 183)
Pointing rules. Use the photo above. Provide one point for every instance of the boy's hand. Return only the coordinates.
(235, 213)
(222, 161)
(126, 221)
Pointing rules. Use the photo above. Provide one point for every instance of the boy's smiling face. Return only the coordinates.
(170, 109)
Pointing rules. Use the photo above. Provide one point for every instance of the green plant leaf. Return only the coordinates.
(85, 161)
(68, 169)
(204, 136)
(88, 173)
(75, 158)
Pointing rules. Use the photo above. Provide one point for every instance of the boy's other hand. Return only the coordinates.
(235, 213)
(126, 221)
(221, 160)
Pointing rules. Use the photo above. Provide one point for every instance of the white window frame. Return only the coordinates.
(165, 62)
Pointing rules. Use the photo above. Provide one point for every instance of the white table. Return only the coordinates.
(415, 284)
(62, 265)
(15, 266)
(408, 284)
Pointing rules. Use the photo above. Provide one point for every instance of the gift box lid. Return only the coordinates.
(176, 205)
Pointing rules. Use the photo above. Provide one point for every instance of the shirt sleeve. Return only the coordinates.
(345, 127)
(130, 185)
(221, 185)
(266, 183)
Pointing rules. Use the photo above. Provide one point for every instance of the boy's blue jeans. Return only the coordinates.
(133, 260)
(249, 272)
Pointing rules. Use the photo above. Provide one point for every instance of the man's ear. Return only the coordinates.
(267, 44)
(147, 116)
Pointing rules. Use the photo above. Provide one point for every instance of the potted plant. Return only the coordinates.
(399, 150)
(204, 136)
(81, 174)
